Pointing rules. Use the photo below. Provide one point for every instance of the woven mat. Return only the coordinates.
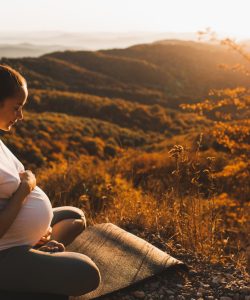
(122, 258)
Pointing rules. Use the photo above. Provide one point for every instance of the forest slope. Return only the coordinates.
(105, 132)
(165, 72)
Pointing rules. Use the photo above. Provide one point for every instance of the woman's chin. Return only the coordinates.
(8, 128)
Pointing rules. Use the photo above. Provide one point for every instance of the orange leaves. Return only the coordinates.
(227, 102)
(233, 136)
(233, 169)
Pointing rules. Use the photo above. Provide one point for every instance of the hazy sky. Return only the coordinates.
(228, 16)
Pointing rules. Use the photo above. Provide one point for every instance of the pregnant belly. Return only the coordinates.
(31, 223)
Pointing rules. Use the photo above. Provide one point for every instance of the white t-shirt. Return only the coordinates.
(34, 218)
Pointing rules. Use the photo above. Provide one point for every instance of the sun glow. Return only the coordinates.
(225, 16)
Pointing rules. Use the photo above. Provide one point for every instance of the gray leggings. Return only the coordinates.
(25, 269)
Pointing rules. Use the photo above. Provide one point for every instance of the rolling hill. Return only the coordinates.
(166, 72)
(104, 131)
(135, 91)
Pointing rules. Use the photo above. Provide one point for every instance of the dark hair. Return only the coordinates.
(10, 82)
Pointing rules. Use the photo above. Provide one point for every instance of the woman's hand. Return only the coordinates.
(28, 179)
(45, 239)
(52, 246)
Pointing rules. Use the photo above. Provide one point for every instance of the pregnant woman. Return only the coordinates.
(33, 235)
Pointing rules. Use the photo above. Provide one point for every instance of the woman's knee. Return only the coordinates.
(80, 223)
(67, 230)
(95, 276)
(88, 278)
(68, 212)
(83, 218)
(79, 226)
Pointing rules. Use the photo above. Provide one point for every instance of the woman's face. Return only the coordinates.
(11, 109)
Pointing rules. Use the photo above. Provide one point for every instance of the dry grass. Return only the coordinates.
(188, 210)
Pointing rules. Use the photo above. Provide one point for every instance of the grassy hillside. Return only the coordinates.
(109, 126)
(118, 111)
(164, 73)
(46, 137)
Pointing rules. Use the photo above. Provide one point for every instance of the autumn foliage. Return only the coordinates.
(145, 138)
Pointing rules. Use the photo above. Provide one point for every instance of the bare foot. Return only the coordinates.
(52, 246)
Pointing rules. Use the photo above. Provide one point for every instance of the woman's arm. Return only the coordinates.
(14, 204)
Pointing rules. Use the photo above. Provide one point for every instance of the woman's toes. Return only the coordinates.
(61, 247)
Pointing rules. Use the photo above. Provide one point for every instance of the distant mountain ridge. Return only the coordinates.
(80, 40)
(26, 49)
(97, 102)
(166, 72)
